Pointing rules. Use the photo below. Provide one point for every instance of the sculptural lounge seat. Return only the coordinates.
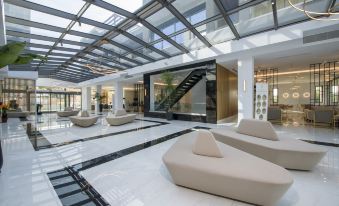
(120, 117)
(259, 138)
(68, 112)
(84, 120)
(199, 162)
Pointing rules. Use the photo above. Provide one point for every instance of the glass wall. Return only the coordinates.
(17, 93)
(57, 101)
(193, 102)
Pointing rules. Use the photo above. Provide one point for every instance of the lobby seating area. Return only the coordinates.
(84, 120)
(69, 111)
(197, 161)
(259, 138)
(120, 117)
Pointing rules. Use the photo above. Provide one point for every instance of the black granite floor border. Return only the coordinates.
(320, 143)
(40, 142)
(73, 189)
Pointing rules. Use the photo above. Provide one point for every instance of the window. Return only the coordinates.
(275, 95)
(319, 94)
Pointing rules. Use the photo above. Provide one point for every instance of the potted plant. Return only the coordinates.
(99, 98)
(3, 111)
(168, 78)
(11, 53)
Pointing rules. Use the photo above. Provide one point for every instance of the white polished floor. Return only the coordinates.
(139, 178)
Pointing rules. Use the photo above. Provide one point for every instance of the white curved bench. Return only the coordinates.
(84, 121)
(237, 175)
(287, 152)
(114, 120)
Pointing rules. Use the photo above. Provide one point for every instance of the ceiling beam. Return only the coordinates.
(227, 18)
(275, 16)
(130, 15)
(183, 20)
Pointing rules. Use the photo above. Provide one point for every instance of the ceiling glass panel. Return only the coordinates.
(167, 47)
(72, 7)
(186, 39)
(287, 14)
(71, 46)
(127, 5)
(142, 33)
(165, 21)
(23, 13)
(63, 52)
(232, 4)
(150, 53)
(103, 15)
(253, 19)
(32, 30)
(78, 38)
(216, 31)
(86, 28)
(126, 41)
(37, 49)
(113, 48)
(196, 11)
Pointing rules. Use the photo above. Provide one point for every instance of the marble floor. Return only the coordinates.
(122, 165)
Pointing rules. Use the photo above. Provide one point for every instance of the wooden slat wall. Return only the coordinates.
(227, 93)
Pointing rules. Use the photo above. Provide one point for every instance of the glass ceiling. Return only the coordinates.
(108, 33)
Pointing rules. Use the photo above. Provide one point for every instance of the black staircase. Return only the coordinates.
(192, 79)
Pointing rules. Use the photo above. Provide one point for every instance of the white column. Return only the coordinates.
(86, 98)
(118, 95)
(245, 87)
(97, 101)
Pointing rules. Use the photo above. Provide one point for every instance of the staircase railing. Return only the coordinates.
(187, 84)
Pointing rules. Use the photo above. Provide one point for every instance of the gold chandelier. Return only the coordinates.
(314, 15)
(97, 69)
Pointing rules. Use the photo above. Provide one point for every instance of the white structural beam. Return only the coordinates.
(245, 87)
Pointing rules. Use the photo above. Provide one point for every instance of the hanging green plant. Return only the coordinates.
(10, 54)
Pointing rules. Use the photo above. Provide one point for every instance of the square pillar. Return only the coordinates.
(86, 99)
(118, 95)
(245, 88)
(97, 101)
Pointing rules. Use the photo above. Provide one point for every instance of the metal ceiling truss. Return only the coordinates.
(183, 20)
(275, 16)
(76, 65)
(227, 18)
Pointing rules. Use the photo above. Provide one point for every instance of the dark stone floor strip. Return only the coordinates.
(73, 189)
(77, 191)
(321, 143)
(40, 142)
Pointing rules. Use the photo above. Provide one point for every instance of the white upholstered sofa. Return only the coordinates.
(260, 139)
(199, 162)
(84, 120)
(120, 117)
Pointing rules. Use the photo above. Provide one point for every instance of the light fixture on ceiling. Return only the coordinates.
(332, 11)
(97, 69)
